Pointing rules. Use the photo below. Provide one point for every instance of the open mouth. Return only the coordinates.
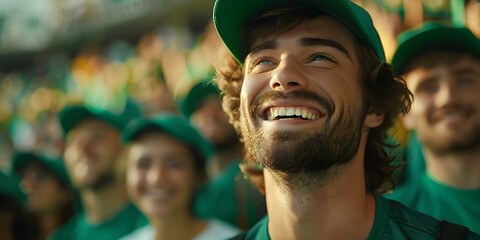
(302, 113)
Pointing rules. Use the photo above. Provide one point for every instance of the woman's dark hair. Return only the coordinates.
(383, 93)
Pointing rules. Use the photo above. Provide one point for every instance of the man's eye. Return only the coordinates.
(465, 82)
(318, 57)
(263, 62)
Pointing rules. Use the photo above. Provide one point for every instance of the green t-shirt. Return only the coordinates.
(441, 201)
(127, 220)
(231, 198)
(393, 221)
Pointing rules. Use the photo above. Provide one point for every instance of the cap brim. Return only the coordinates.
(172, 125)
(72, 115)
(230, 18)
(22, 159)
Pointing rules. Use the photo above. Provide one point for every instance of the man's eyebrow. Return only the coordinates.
(268, 45)
(306, 42)
(462, 71)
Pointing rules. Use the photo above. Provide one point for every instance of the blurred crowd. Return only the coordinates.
(165, 76)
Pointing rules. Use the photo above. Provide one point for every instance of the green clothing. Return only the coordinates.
(231, 198)
(123, 223)
(441, 201)
(393, 221)
(414, 159)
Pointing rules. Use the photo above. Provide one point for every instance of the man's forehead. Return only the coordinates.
(93, 124)
(440, 58)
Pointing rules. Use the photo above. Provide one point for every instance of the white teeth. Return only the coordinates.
(290, 112)
(304, 113)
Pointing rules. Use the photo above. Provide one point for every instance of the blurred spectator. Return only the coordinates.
(14, 221)
(466, 13)
(50, 197)
(93, 160)
(166, 160)
(227, 196)
(441, 66)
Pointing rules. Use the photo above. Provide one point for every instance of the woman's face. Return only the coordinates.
(161, 176)
(45, 193)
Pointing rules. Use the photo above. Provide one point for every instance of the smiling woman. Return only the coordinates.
(166, 164)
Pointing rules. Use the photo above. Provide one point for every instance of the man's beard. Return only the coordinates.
(104, 180)
(469, 144)
(307, 158)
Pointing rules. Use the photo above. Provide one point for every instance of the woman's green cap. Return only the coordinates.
(173, 125)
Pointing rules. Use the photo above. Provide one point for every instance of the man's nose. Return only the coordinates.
(446, 95)
(288, 76)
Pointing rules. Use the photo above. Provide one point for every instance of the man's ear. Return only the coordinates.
(408, 121)
(374, 119)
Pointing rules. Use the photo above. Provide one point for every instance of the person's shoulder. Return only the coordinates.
(405, 217)
(257, 232)
(218, 230)
(143, 233)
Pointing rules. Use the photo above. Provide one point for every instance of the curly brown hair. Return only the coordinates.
(383, 93)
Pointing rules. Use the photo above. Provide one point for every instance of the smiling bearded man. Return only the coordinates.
(308, 88)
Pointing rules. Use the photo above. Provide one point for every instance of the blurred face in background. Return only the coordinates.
(212, 122)
(472, 16)
(45, 193)
(161, 175)
(91, 154)
(446, 107)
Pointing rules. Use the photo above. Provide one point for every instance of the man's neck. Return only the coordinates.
(101, 205)
(460, 170)
(338, 209)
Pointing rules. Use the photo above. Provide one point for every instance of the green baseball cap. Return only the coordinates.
(231, 16)
(23, 158)
(171, 124)
(73, 114)
(432, 36)
(200, 91)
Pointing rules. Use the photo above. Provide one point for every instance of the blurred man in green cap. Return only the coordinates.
(441, 66)
(312, 96)
(227, 195)
(93, 152)
(166, 164)
(49, 196)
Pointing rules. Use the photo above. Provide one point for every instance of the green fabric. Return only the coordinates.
(220, 199)
(73, 114)
(231, 16)
(22, 159)
(78, 228)
(440, 201)
(393, 221)
(432, 36)
(9, 186)
(414, 158)
(170, 124)
(457, 12)
(190, 103)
